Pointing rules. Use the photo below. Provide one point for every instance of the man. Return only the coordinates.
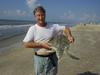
(45, 61)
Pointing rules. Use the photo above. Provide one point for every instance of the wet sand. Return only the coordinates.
(19, 60)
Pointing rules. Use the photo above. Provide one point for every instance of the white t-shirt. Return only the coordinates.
(37, 32)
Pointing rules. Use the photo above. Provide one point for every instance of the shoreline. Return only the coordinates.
(13, 42)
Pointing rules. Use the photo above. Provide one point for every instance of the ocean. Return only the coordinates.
(10, 28)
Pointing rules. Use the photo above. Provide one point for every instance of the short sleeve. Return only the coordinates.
(29, 35)
(59, 27)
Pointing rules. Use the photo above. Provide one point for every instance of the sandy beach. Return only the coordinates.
(17, 60)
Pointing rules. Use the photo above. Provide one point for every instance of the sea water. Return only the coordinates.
(10, 28)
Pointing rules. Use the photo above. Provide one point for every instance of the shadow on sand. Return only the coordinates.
(87, 73)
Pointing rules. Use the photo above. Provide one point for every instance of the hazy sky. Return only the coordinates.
(57, 10)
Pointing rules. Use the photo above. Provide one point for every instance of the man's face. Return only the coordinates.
(40, 17)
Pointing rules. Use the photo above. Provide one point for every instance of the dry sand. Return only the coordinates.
(19, 61)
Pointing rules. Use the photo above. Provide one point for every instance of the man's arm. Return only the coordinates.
(33, 44)
(68, 34)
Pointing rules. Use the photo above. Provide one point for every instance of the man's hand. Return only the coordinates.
(70, 39)
(46, 50)
(46, 45)
(68, 35)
